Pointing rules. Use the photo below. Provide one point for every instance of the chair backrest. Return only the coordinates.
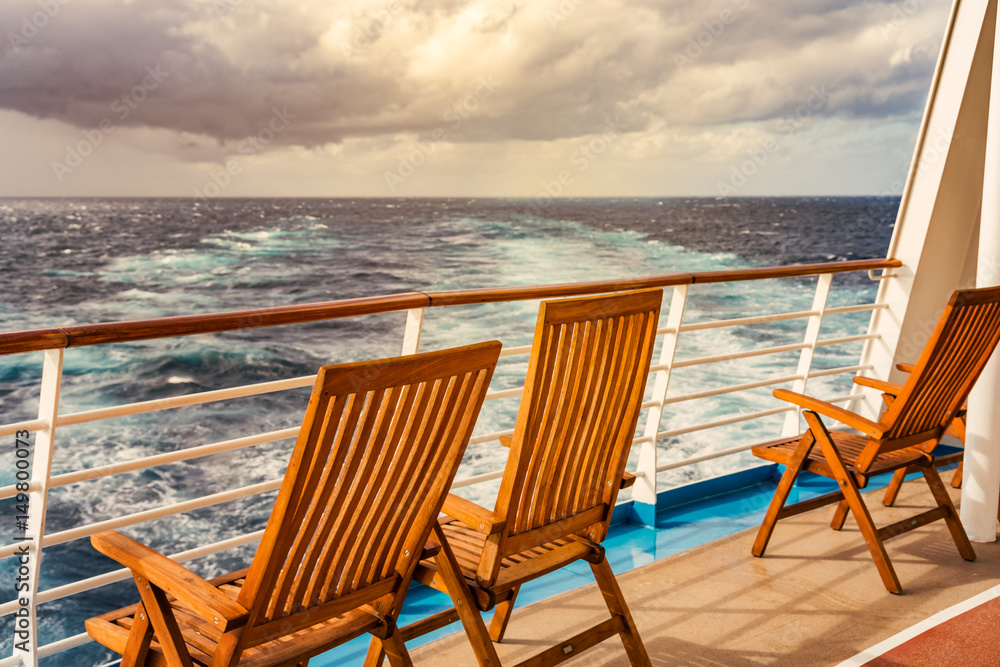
(578, 414)
(375, 457)
(952, 360)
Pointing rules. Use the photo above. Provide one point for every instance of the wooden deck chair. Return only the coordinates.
(582, 396)
(376, 454)
(907, 432)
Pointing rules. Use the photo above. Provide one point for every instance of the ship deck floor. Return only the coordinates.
(814, 599)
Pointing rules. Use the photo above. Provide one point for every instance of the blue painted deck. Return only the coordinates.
(688, 516)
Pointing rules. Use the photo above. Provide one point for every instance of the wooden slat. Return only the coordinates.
(531, 568)
(310, 642)
(811, 504)
(442, 619)
(348, 505)
(386, 510)
(906, 525)
(543, 534)
(571, 494)
(312, 590)
(280, 627)
(576, 644)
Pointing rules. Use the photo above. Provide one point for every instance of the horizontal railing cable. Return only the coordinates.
(722, 422)
(87, 530)
(121, 574)
(741, 448)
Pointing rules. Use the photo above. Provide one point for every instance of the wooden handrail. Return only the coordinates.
(767, 272)
(188, 325)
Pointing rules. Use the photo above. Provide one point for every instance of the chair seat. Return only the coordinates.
(112, 630)
(468, 544)
(850, 446)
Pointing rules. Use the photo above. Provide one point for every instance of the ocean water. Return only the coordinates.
(99, 260)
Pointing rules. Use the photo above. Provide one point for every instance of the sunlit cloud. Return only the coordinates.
(498, 94)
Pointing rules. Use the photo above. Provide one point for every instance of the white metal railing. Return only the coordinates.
(40, 480)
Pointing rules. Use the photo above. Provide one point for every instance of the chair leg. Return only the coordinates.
(957, 429)
(956, 479)
(139, 639)
(465, 605)
(954, 524)
(162, 618)
(375, 653)
(840, 515)
(396, 651)
(892, 491)
(856, 503)
(501, 617)
(616, 605)
(781, 494)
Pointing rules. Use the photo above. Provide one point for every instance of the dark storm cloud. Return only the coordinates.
(554, 69)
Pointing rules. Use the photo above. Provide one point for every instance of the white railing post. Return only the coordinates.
(30, 556)
(411, 332)
(791, 425)
(644, 490)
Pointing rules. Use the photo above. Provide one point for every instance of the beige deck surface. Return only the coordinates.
(814, 599)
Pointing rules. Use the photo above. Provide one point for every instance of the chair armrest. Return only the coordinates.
(906, 368)
(866, 426)
(173, 578)
(472, 515)
(506, 440)
(884, 387)
(431, 549)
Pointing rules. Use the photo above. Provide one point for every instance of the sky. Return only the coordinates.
(462, 98)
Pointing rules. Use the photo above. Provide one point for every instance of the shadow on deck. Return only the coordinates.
(814, 599)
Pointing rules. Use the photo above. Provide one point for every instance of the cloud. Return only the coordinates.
(357, 69)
